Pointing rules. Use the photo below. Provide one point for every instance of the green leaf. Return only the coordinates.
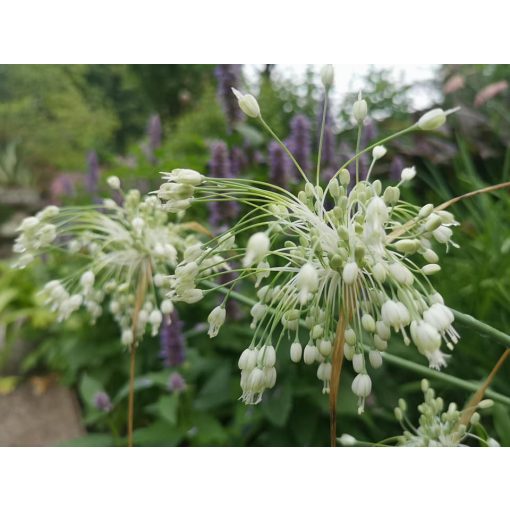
(209, 430)
(88, 388)
(167, 408)
(278, 404)
(160, 433)
(502, 424)
(216, 390)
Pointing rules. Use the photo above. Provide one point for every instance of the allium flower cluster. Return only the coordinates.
(363, 262)
(123, 254)
(439, 426)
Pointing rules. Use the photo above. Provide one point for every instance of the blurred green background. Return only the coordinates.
(65, 128)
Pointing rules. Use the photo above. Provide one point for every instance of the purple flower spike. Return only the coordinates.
(102, 402)
(222, 213)
(228, 77)
(93, 173)
(172, 341)
(300, 142)
(280, 165)
(176, 382)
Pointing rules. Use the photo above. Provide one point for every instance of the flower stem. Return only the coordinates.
(131, 403)
(484, 329)
(337, 359)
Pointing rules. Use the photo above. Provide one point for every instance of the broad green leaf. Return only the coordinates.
(98, 440)
(160, 433)
(88, 388)
(277, 404)
(167, 408)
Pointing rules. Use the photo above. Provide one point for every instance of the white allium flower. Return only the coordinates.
(118, 249)
(351, 250)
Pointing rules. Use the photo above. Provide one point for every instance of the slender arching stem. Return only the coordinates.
(131, 402)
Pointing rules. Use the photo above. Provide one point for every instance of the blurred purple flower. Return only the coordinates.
(228, 76)
(280, 165)
(221, 213)
(171, 338)
(396, 166)
(64, 185)
(93, 173)
(176, 382)
(102, 402)
(154, 137)
(238, 161)
(300, 141)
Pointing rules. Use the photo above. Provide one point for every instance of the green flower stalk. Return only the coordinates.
(367, 258)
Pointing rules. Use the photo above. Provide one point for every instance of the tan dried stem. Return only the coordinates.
(406, 226)
(145, 275)
(473, 402)
(337, 363)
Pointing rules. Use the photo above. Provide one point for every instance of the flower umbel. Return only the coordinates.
(323, 253)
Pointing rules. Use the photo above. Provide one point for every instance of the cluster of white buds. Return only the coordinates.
(258, 372)
(350, 251)
(440, 426)
(115, 248)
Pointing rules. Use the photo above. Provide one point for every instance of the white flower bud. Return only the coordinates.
(350, 336)
(247, 103)
(87, 279)
(310, 354)
(380, 344)
(257, 380)
(375, 359)
(360, 109)
(296, 352)
(256, 249)
(127, 337)
(425, 211)
(216, 319)
(350, 273)
(155, 317)
(349, 352)
(401, 274)
(270, 376)
(267, 356)
(191, 296)
(347, 440)
(325, 348)
(362, 385)
(442, 234)
(324, 372)
(345, 177)
(358, 363)
(431, 269)
(258, 310)
(184, 176)
(430, 256)
(138, 224)
(408, 174)
(307, 282)
(368, 323)
(383, 330)
(114, 182)
(379, 152)
(379, 271)
(167, 306)
(328, 76)
(433, 119)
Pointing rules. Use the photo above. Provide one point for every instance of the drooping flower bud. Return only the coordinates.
(216, 319)
(114, 182)
(257, 248)
(408, 174)
(434, 119)
(378, 152)
(307, 281)
(296, 352)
